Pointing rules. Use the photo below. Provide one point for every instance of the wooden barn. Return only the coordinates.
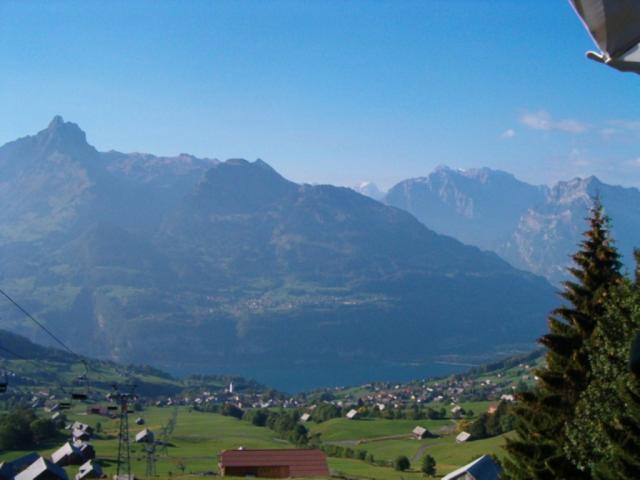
(273, 463)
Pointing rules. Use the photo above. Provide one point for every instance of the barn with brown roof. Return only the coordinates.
(273, 463)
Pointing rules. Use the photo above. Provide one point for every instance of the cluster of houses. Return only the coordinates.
(454, 389)
(77, 451)
(242, 399)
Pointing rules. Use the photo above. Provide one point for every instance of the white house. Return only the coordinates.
(145, 436)
(305, 417)
(67, 454)
(42, 469)
(352, 414)
(463, 437)
(420, 432)
(89, 469)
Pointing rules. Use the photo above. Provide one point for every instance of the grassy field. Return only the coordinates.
(341, 429)
(448, 455)
(199, 437)
(195, 442)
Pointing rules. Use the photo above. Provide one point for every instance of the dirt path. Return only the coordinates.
(419, 454)
(362, 441)
(421, 451)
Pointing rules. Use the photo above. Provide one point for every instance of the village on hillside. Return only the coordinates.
(384, 428)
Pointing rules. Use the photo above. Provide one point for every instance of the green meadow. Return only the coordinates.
(198, 437)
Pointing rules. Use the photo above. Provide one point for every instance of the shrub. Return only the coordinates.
(401, 463)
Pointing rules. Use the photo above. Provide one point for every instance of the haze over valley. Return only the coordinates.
(200, 265)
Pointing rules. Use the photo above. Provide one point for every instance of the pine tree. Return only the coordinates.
(620, 420)
(538, 452)
(624, 435)
(429, 466)
(602, 403)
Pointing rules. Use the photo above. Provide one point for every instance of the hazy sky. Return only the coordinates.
(326, 91)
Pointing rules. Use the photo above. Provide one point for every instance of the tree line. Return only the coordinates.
(22, 429)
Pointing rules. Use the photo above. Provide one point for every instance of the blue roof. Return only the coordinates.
(484, 468)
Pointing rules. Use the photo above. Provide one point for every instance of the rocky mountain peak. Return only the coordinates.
(60, 130)
(369, 189)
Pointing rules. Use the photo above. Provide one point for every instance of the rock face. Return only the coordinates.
(370, 190)
(535, 228)
(197, 264)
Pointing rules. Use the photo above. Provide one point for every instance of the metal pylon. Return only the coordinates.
(123, 469)
(151, 460)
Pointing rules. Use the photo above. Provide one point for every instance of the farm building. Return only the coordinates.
(145, 436)
(67, 454)
(139, 421)
(484, 468)
(8, 470)
(82, 427)
(99, 410)
(80, 434)
(352, 414)
(420, 432)
(86, 450)
(42, 469)
(89, 469)
(305, 417)
(463, 437)
(275, 463)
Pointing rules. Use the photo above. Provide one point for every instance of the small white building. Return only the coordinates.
(86, 450)
(305, 417)
(352, 414)
(145, 436)
(80, 435)
(83, 427)
(89, 469)
(67, 454)
(42, 469)
(420, 432)
(8, 470)
(463, 437)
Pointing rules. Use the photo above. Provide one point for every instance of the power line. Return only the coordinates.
(85, 364)
(51, 334)
(31, 317)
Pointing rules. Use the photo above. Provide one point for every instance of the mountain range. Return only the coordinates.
(199, 265)
(534, 227)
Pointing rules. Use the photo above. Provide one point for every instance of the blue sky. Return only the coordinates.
(326, 91)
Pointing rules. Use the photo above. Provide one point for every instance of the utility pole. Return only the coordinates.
(151, 460)
(123, 469)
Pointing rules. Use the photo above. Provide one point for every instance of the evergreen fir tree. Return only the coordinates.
(621, 423)
(538, 452)
(429, 466)
(624, 435)
(601, 404)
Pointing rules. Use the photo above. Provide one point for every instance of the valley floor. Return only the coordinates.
(198, 438)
